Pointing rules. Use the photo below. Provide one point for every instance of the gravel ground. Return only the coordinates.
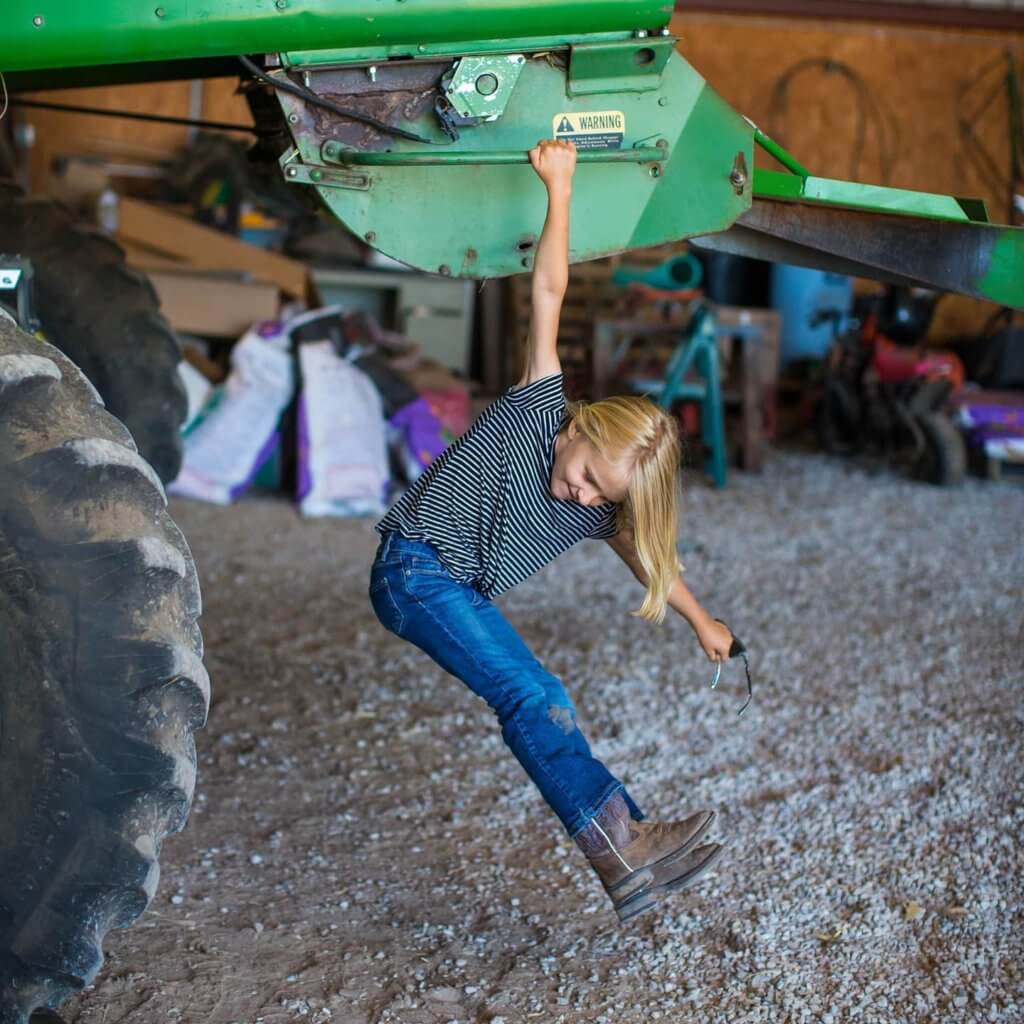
(363, 848)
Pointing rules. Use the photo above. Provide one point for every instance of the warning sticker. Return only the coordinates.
(597, 129)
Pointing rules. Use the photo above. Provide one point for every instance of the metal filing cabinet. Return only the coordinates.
(436, 312)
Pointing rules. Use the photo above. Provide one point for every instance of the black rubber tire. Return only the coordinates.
(106, 318)
(9, 191)
(837, 418)
(945, 461)
(101, 677)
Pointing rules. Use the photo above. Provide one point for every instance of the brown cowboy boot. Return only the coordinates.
(638, 861)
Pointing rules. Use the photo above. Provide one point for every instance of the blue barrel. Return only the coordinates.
(799, 295)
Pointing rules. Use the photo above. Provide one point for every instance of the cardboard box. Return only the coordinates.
(215, 304)
(432, 376)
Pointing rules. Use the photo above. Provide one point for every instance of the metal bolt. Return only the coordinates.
(331, 149)
(7, 281)
(662, 101)
(315, 175)
(662, 143)
(739, 175)
(38, 21)
(641, 33)
(293, 118)
(281, 4)
(527, 261)
(421, 48)
(487, 84)
(655, 171)
(372, 72)
(666, 31)
(444, 270)
(159, 12)
(292, 172)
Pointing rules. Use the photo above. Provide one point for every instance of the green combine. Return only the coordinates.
(410, 120)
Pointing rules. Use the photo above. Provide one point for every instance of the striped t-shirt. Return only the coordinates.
(485, 503)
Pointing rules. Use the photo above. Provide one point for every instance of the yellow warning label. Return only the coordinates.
(592, 129)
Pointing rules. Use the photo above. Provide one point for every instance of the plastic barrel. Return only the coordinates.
(799, 294)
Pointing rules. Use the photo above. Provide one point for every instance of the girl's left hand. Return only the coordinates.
(716, 640)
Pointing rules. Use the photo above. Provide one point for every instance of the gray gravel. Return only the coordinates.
(365, 849)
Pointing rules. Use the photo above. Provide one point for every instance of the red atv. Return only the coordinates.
(885, 393)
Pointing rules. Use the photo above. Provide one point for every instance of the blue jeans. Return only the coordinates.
(416, 598)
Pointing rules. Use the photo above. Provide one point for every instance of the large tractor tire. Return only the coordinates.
(106, 318)
(101, 677)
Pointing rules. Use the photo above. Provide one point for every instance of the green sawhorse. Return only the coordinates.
(695, 354)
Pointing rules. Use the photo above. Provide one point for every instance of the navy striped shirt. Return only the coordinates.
(485, 503)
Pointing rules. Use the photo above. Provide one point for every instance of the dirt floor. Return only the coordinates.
(364, 849)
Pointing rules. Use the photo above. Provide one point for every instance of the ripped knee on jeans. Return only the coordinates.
(563, 717)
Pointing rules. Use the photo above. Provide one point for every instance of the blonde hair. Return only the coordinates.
(633, 430)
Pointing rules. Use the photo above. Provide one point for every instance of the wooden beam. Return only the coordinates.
(204, 248)
(945, 15)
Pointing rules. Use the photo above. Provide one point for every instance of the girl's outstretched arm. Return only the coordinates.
(713, 636)
(554, 163)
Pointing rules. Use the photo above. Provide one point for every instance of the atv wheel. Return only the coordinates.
(838, 418)
(106, 318)
(944, 462)
(101, 677)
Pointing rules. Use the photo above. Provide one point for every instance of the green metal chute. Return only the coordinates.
(904, 237)
(51, 34)
(412, 122)
(472, 206)
(682, 169)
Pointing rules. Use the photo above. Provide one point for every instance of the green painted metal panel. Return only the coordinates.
(633, 65)
(854, 195)
(74, 33)
(696, 184)
(326, 57)
(1004, 280)
(946, 242)
(481, 216)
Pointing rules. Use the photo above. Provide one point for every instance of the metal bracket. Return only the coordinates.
(632, 65)
(479, 88)
(740, 175)
(298, 173)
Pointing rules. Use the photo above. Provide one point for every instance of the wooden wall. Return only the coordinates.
(913, 83)
(64, 133)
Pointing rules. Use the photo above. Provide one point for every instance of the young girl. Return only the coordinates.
(528, 480)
